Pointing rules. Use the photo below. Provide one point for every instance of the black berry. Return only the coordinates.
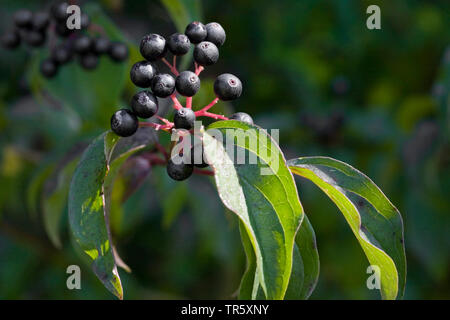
(215, 33)
(144, 104)
(22, 18)
(178, 44)
(101, 45)
(61, 54)
(59, 11)
(227, 87)
(206, 53)
(196, 32)
(11, 40)
(40, 21)
(48, 68)
(187, 83)
(89, 61)
(124, 123)
(82, 44)
(34, 38)
(153, 47)
(179, 171)
(142, 74)
(243, 117)
(163, 85)
(184, 118)
(118, 52)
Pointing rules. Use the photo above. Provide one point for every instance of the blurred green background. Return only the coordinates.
(376, 99)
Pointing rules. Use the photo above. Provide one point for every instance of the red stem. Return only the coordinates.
(209, 106)
(189, 102)
(172, 68)
(176, 104)
(204, 172)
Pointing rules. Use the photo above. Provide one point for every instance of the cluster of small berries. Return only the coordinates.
(32, 29)
(144, 74)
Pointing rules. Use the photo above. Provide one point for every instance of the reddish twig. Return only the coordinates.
(204, 172)
(212, 115)
(198, 69)
(206, 108)
(156, 126)
(172, 68)
(189, 102)
(153, 159)
(176, 104)
(204, 111)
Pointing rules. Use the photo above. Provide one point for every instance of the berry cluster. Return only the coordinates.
(144, 74)
(34, 28)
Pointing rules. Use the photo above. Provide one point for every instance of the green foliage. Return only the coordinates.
(375, 222)
(267, 205)
(292, 56)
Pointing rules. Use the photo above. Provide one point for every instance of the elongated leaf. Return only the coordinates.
(267, 204)
(89, 193)
(55, 203)
(305, 268)
(34, 189)
(376, 223)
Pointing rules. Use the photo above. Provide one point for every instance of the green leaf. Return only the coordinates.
(305, 268)
(267, 204)
(89, 193)
(376, 223)
(34, 188)
(54, 203)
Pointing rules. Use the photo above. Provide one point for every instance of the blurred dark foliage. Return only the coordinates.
(376, 99)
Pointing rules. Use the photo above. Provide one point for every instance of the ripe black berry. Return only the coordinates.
(40, 21)
(196, 32)
(61, 54)
(144, 104)
(187, 83)
(118, 52)
(179, 171)
(22, 18)
(59, 11)
(11, 40)
(163, 85)
(153, 47)
(89, 61)
(142, 74)
(34, 38)
(101, 45)
(243, 117)
(124, 123)
(48, 68)
(215, 33)
(206, 53)
(227, 87)
(178, 44)
(82, 44)
(184, 118)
